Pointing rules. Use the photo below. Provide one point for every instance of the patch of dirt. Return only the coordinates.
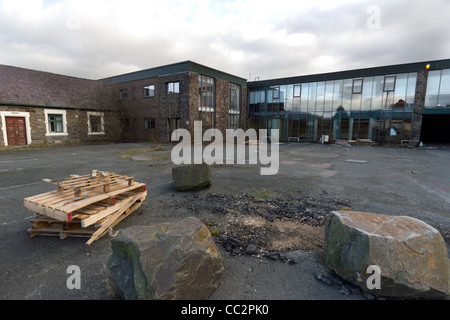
(263, 223)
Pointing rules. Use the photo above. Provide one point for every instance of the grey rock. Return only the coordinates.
(191, 177)
(411, 255)
(251, 249)
(166, 261)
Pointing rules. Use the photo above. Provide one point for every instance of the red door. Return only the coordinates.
(16, 131)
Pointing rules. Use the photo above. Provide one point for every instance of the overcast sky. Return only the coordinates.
(255, 38)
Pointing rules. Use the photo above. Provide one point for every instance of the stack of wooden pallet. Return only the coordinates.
(85, 206)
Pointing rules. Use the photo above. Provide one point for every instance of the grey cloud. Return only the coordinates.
(409, 31)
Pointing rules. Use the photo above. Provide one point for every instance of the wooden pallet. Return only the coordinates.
(97, 179)
(85, 205)
(65, 205)
(46, 226)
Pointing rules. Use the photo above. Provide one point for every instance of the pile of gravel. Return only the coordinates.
(309, 210)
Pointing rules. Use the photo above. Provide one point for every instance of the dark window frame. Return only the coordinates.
(173, 87)
(52, 123)
(359, 86)
(276, 93)
(393, 84)
(147, 91)
(235, 97)
(149, 123)
(207, 93)
(123, 94)
(96, 126)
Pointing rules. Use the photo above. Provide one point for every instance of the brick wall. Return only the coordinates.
(222, 96)
(222, 105)
(137, 108)
(174, 106)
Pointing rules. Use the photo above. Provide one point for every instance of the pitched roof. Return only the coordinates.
(19, 86)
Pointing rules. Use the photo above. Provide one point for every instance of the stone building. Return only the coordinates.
(40, 107)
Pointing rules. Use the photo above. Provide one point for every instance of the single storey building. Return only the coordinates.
(44, 108)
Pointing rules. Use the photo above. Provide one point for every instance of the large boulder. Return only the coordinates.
(165, 261)
(411, 255)
(191, 177)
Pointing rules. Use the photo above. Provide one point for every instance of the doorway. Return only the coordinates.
(16, 132)
(435, 128)
(172, 125)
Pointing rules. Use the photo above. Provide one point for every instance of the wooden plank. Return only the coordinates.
(82, 203)
(87, 182)
(53, 213)
(31, 233)
(124, 206)
(95, 218)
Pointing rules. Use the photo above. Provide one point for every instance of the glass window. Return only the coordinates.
(444, 91)
(234, 97)
(367, 93)
(297, 90)
(337, 94)
(431, 97)
(377, 96)
(173, 87)
(276, 93)
(149, 91)
(206, 92)
(329, 88)
(411, 88)
(149, 123)
(96, 124)
(289, 97)
(55, 123)
(283, 98)
(389, 83)
(320, 96)
(400, 91)
(347, 94)
(356, 104)
(357, 86)
(304, 98)
(261, 100)
(312, 97)
(123, 94)
(400, 86)
(233, 121)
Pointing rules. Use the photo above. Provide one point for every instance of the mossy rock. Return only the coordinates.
(191, 177)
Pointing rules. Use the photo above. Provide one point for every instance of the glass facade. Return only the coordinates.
(438, 89)
(375, 107)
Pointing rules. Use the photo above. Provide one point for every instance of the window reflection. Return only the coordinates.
(431, 98)
(444, 89)
(360, 108)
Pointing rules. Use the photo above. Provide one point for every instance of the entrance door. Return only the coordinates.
(16, 131)
(172, 125)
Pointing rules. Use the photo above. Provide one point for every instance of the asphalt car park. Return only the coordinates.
(388, 180)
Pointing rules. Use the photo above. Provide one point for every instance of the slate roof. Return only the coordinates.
(19, 86)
